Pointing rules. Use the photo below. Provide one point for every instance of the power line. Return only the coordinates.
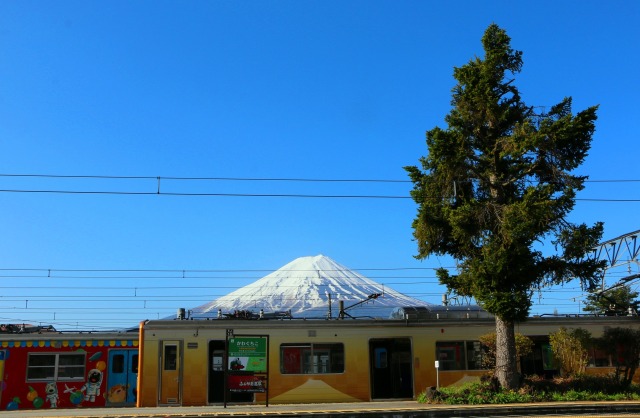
(156, 178)
(200, 271)
(131, 312)
(165, 298)
(187, 277)
(159, 179)
(264, 195)
(258, 179)
(275, 195)
(311, 196)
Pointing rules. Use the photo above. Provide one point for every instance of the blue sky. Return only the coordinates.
(260, 90)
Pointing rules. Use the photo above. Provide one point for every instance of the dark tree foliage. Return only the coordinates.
(497, 181)
(615, 301)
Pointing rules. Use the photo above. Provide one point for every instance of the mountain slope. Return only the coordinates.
(305, 286)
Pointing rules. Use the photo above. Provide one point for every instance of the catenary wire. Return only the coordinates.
(158, 191)
(276, 179)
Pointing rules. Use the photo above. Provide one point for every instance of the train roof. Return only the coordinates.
(569, 321)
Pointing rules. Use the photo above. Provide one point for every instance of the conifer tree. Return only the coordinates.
(496, 182)
(617, 301)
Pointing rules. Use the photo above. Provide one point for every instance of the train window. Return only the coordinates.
(459, 355)
(380, 355)
(70, 366)
(170, 357)
(134, 363)
(474, 355)
(599, 358)
(311, 358)
(41, 367)
(117, 363)
(57, 367)
(450, 354)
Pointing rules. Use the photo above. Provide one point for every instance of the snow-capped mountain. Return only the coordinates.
(308, 287)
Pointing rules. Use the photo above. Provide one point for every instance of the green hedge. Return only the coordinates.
(580, 388)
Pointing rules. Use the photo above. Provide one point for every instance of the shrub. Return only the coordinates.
(570, 350)
(524, 347)
(623, 344)
(535, 389)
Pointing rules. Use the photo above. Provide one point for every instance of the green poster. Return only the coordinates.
(248, 354)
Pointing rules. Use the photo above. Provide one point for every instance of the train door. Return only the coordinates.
(391, 368)
(3, 358)
(217, 375)
(170, 372)
(540, 361)
(122, 377)
(216, 371)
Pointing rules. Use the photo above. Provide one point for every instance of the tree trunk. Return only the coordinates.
(506, 366)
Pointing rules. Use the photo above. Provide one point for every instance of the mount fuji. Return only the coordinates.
(312, 287)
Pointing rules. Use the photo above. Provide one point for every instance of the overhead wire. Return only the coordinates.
(159, 191)
(198, 274)
(278, 179)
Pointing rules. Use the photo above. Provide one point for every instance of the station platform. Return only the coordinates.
(383, 409)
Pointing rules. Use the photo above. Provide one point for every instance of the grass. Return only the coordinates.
(534, 389)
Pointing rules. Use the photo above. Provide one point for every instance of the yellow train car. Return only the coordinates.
(185, 362)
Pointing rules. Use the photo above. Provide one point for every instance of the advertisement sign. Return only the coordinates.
(247, 365)
(248, 354)
(246, 383)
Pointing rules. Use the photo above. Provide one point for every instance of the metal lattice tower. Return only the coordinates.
(619, 252)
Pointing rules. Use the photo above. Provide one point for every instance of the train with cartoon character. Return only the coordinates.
(252, 359)
(68, 370)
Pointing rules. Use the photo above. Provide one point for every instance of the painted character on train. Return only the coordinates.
(52, 394)
(117, 394)
(92, 387)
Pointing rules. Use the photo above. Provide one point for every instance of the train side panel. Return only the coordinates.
(294, 379)
(336, 361)
(346, 381)
(433, 338)
(46, 371)
(309, 361)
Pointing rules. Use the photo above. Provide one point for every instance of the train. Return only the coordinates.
(48, 369)
(261, 359)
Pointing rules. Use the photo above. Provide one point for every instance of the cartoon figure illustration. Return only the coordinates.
(92, 387)
(52, 394)
(117, 393)
(237, 364)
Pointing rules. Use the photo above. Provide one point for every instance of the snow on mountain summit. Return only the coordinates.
(305, 286)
